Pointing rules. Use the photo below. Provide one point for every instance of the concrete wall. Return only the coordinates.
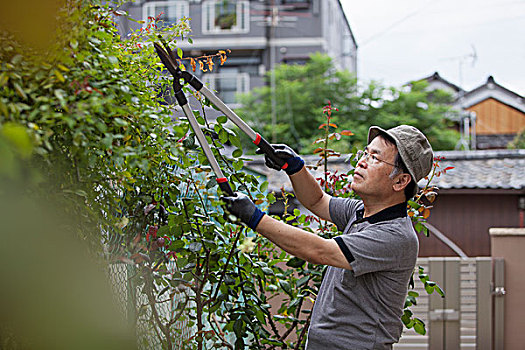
(509, 244)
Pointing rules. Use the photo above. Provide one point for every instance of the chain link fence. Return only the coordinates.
(145, 313)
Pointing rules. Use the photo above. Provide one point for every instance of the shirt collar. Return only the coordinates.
(390, 213)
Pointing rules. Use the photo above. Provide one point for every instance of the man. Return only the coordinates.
(361, 298)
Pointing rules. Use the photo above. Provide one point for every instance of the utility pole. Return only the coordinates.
(271, 18)
(273, 23)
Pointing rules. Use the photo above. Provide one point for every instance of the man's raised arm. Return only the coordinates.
(306, 188)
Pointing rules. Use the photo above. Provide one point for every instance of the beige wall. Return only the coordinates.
(509, 244)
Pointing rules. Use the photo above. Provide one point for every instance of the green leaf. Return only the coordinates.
(414, 204)
(20, 92)
(302, 281)
(195, 247)
(286, 287)
(163, 230)
(419, 227)
(407, 318)
(179, 52)
(260, 316)
(267, 271)
(429, 289)
(295, 262)
(177, 244)
(413, 294)
(187, 268)
(238, 165)
(419, 327)
(3, 79)
(273, 342)
(439, 290)
(237, 153)
(223, 136)
(59, 75)
(235, 141)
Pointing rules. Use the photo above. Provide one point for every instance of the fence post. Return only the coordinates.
(444, 330)
(509, 244)
(499, 304)
(483, 306)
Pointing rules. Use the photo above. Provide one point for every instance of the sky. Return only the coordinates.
(465, 41)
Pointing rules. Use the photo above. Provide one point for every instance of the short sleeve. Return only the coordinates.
(380, 248)
(342, 210)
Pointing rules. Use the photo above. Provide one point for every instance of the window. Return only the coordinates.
(305, 2)
(172, 11)
(227, 83)
(297, 4)
(225, 16)
(300, 60)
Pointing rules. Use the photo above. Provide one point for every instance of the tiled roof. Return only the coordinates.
(437, 77)
(487, 169)
(491, 84)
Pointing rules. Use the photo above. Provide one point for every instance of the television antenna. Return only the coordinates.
(468, 119)
(471, 58)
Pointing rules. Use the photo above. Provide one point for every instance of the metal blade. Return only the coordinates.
(166, 60)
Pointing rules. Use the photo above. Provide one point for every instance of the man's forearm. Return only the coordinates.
(308, 191)
(302, 244)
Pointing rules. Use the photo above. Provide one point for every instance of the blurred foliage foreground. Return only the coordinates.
(98, 183)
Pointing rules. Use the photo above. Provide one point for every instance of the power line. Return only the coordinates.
(384, 31)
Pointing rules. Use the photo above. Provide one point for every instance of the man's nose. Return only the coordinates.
(362, 162)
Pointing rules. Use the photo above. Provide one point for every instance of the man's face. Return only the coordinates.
(372, 176)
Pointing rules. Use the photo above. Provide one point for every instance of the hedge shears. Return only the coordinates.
(180, 78)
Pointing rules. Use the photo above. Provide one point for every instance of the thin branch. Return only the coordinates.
(294, 323)
(152, 302)
(303, 332)
(234, 245)
(219, 333)
(180, 312)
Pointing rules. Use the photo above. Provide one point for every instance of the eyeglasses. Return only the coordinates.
(371, 158)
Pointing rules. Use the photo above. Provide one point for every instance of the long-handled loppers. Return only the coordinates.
(169, 60)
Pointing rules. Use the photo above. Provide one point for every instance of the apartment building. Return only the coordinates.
(259, 33)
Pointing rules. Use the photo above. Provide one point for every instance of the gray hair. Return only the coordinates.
(401, 168)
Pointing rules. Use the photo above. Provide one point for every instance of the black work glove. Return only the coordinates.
(243, 208)
(294, 163)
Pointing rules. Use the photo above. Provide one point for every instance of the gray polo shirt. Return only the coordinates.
(361, 308)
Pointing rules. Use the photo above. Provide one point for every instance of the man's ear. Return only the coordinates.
(401, 181)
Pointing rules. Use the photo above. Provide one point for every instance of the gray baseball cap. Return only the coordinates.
(413, 147)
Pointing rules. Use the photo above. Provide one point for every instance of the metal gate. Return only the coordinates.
(471, 314)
